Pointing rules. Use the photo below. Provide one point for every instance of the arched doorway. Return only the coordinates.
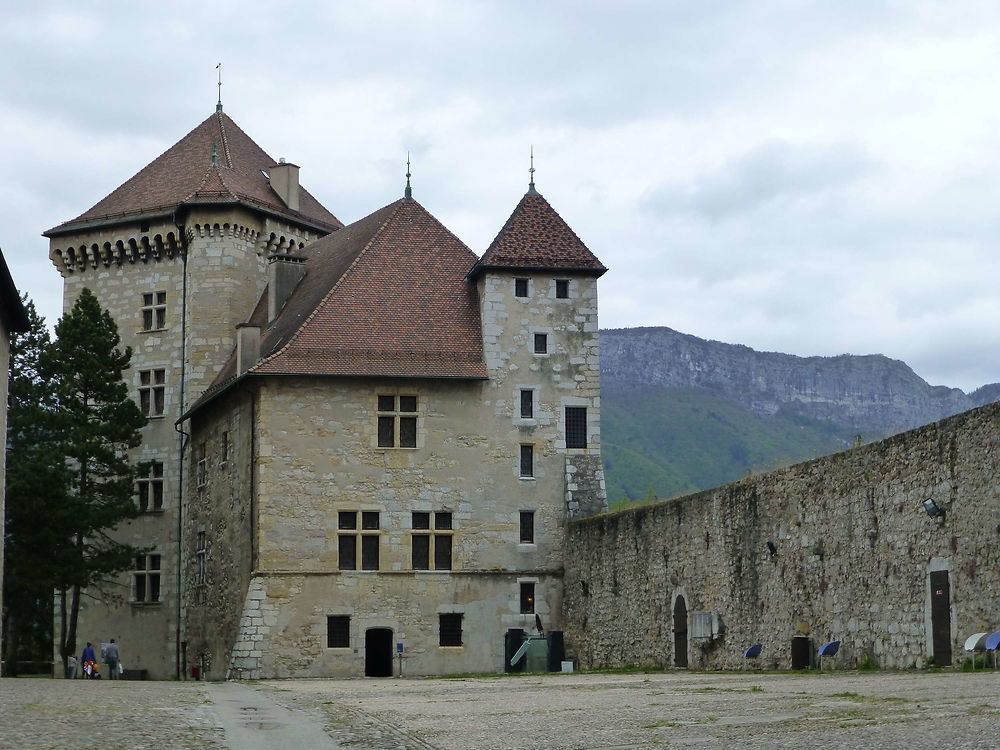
(378, 652)
(680, 633)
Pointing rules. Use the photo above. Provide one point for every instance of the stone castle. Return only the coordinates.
(375, 453)
(365, 440)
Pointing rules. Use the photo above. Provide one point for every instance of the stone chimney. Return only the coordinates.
(285, 182)
(284, 272)
(247, 346)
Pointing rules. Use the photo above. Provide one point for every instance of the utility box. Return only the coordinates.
(537, 657)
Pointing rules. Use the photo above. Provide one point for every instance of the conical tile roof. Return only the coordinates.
(535, 237)
(185, 174)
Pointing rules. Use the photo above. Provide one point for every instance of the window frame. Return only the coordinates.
(338, 628)
(526, 464)
(527, 403)
(526, 527)
(154, 311)
(436, 542)
(397, 427)
(147, 578)
(149, 488)
(540, 337)
(359, 546)
(562, 285)
(152, 392)
(528, 597)
(575, 431)
(450, 628)
(522, 283)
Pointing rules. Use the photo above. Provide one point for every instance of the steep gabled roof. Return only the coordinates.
(185, 175)
(383, 297)
(536, 238)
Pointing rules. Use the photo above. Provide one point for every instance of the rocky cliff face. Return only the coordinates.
(871, 393)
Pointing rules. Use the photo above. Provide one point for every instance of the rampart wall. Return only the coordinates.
(836, 548)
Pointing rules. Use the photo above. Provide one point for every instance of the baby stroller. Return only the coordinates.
(90, 670)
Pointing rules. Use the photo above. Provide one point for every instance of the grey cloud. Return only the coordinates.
(769, 172)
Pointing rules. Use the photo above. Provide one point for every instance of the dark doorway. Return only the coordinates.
(801, 652)
(680, 633)
(941, 617)
(378, 652)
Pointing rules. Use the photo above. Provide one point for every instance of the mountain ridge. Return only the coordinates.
(684, 413)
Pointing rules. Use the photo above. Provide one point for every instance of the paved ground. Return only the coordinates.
(905, 710)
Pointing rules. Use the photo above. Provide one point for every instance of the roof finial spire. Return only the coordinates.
(531, 174)
(408, 193)
(218, 107)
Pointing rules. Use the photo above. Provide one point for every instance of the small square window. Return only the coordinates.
(541, 343)
(527, 404)
(527, 527)
(450, 627)
(442, 520)
(387, 403)
(338, 631)
(520, 287)
(527, 598)
(421, 520)
(369, 519)
(347, 519)
(408, 403)
(562, 288)
(527, 461)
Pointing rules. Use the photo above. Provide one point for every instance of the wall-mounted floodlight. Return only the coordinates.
(932, 508)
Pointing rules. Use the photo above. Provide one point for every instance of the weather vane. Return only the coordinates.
(531, 172)
(408, 193)
(218, 107)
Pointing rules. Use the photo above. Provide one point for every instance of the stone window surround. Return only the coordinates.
(154, 311)
(572, 401)
(524, 281)
(397, 415)
(450, 628)
(149, 487)
(526, 528)
(332, 619)
(365, 531)
(527, 596)
(201, 555)
(440, 530)
(519, 418)
(152, 392)
(526, 460)
(147, 579)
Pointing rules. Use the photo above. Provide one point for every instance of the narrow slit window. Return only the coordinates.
(527, 461)
(527, 404)
(527, 527)
(541, 343)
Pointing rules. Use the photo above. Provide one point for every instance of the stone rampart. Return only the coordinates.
(836, 548)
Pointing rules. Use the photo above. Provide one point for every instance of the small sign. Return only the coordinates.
(399, 648)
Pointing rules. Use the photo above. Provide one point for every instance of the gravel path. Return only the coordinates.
(905, 710)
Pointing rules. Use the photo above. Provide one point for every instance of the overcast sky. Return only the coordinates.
(811, 178)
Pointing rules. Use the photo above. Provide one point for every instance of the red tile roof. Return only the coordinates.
(535, 237)
(383, 297)
(184, 175)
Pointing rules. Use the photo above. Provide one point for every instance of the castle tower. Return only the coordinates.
(537, 286)
(177, 254)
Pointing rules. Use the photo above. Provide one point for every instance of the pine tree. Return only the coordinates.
(37, 479)
(98, 423)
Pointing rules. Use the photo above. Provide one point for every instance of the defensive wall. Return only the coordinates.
(839, 548)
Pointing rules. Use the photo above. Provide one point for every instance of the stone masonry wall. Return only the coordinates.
(836, 548)
(567, 374)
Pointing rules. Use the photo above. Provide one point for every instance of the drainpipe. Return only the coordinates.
(181, 442)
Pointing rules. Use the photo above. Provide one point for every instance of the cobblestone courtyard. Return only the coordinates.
(910, 710)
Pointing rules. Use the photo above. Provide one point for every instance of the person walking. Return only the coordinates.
(111, 658)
